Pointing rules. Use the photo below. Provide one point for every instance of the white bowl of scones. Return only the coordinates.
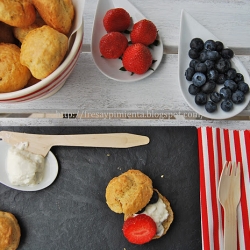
(35, 55)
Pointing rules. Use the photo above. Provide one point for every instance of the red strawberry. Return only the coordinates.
(144, 32)
(137, 58)
(112, 45)
(139, 229)
(116, 19)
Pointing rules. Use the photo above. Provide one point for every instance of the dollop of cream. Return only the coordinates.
(158, 213)
(23, 167)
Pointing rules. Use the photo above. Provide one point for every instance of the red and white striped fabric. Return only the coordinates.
(215, 147)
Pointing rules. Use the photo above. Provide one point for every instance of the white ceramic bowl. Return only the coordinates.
(52, 83)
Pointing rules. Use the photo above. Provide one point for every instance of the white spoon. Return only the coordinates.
(50, 173)
(189, 29)
(110, 67)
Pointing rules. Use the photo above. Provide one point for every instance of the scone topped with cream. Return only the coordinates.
(147, 213)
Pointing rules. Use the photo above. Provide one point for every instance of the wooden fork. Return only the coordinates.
(229, 197)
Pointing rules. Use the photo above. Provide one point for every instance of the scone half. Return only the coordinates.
(166, 223)
(129, 192)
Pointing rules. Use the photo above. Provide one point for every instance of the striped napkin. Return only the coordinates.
(215, 147)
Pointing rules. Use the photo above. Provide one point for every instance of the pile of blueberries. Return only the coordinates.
(210, 66)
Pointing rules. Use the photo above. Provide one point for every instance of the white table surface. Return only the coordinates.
(98, 100)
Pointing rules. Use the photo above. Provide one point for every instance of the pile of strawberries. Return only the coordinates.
(136, 57)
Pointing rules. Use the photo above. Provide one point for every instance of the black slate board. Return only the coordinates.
(72, 212)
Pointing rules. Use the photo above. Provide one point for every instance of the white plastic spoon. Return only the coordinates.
(110, 67)
(189, 29)
(50, 173)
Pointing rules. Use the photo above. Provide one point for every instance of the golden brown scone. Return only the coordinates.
(6, 33)
(32, 81)
(10, 232)
(42, 51)
(129, 192)
(166, 223)
(21, 32)
(18, 13)
(13, 75)
(57, 14)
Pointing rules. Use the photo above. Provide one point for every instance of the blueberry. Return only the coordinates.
(242, 86)
(203, 56)
(239, 77)
(231, 85)
(212, 74)
(189, 73)
(227, 105)
(193, 62)
(238, 97)
(201, 67)
(201, 98)
(219, 46)
(141, 211)
(223, 65)
(231, 74)
(208, 87)
(227, 53)
(215, 97)
(154, 198)
(209, 64)
(226, 93)
(199, 79)
(193, 54)
(197, 44)
(213, 55)
(221, 79)
(193, 90)
(210, 107)
(210, 45)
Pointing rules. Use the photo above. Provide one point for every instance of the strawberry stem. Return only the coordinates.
(122, 69)
(156, 42)
(127, 31)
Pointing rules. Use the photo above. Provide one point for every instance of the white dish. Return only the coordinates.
(110, 67)
(55, 81)
(50, 173)
(189, 29)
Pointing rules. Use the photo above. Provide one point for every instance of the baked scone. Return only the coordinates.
(6, 34)
(132, 193)
(166, 223)
(10, 232)
(18, 13)
(42, 50)
(32, 81)
(21, 32)
(129, 192)
(13, 75)
(57, 14)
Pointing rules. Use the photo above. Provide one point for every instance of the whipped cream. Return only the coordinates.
(158, 213)
(23, 167)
